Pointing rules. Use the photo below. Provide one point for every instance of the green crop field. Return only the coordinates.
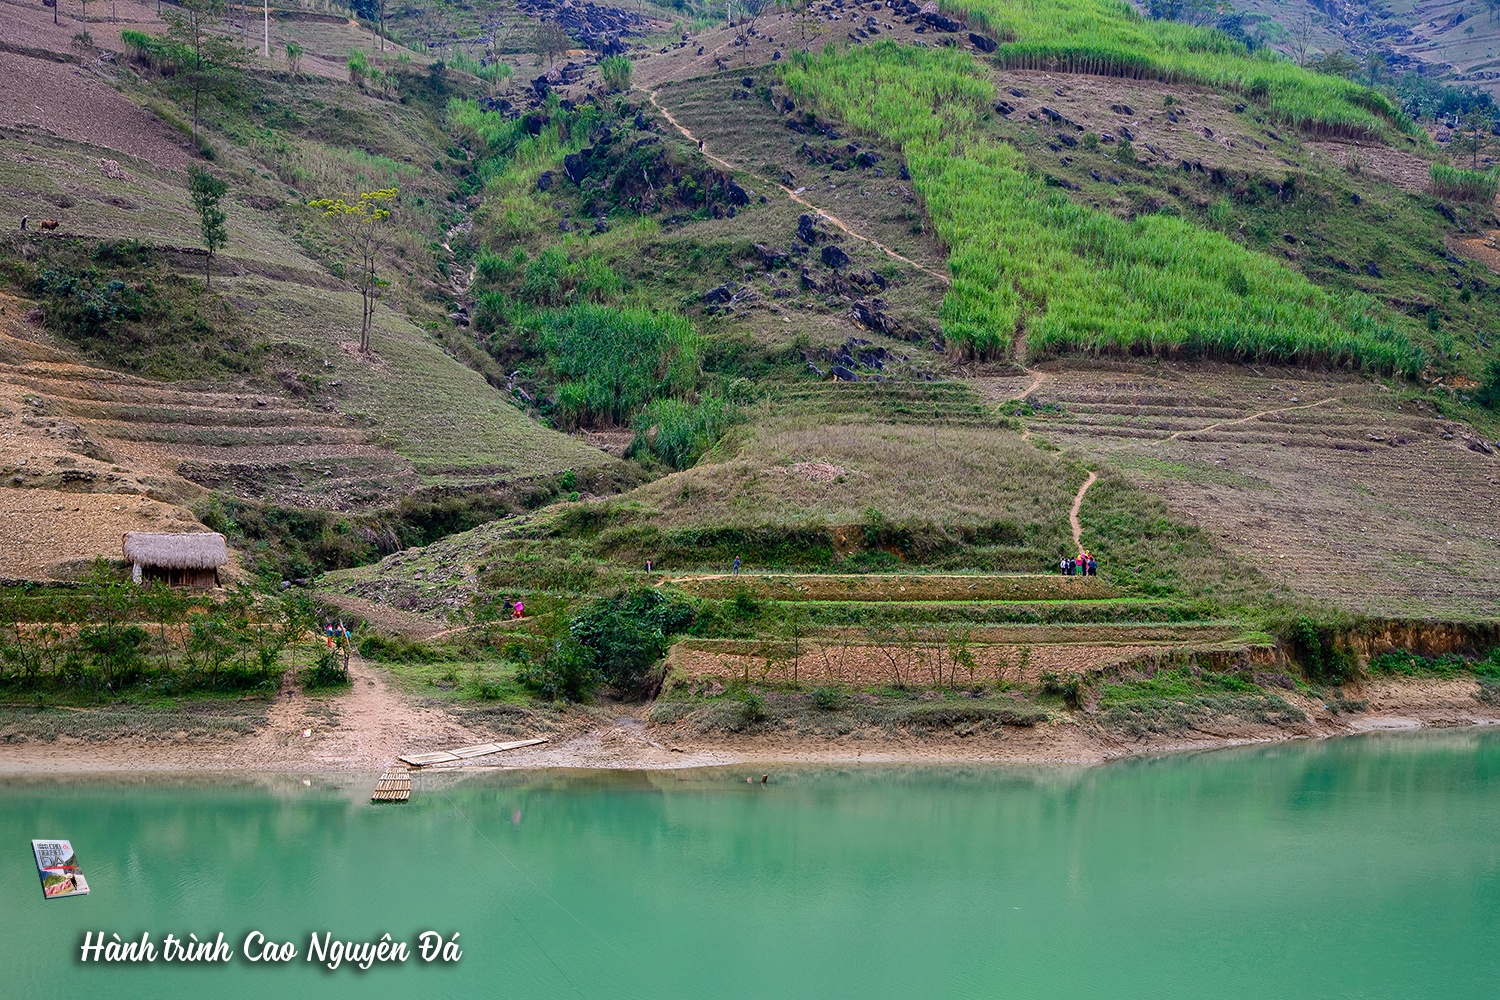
(1110, 38)
(1029, 263)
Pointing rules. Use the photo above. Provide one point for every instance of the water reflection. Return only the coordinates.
(1363, 867)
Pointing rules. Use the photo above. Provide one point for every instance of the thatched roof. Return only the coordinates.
(190, 550)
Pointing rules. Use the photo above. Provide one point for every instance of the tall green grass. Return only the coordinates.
(1109, 38)
(1465, 185)
(1028, 263)
(679, 432)
(609, 363)
(490, 72)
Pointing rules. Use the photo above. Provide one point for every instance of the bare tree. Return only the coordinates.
(1302, 33)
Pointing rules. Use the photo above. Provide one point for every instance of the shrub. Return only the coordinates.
(629, 633)
(326, 672)
(1315, 648)
(615, 70)
(1068, 687)
(828, 699)
(394, 649)
(752, 708)
(679, 432)
(564, 671)
(1488, 394)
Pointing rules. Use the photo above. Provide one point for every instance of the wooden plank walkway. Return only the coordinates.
(465, 753)
(394, 785)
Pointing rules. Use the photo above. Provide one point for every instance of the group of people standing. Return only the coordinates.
(1083, 564)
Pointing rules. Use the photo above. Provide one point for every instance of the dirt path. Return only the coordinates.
(835, 220)
(1077, 506)
(1244, 420)
(363, 728)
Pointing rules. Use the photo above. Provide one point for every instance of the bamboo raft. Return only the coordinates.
(394, 785)
(420, 760)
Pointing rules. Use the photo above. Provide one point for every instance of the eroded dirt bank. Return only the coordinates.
(366, 728)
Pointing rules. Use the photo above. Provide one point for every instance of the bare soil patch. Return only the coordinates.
(1406, 170)
(74, 102)
(45, 534)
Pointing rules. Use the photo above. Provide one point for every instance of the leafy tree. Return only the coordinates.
(362, 225)
(206, 190)
(549, 42)
(209, 52)
(293, 58)
(1336, 63)
(629, 633)
(1475, 133)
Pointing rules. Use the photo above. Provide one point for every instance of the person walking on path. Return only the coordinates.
(736, 565)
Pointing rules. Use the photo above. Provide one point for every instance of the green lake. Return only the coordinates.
(1365, 867)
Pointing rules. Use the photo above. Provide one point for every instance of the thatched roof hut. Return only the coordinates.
(186, 559)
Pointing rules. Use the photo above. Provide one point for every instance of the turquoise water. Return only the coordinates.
(1366, 867)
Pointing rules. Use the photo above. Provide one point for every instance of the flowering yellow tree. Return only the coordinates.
(361, 224)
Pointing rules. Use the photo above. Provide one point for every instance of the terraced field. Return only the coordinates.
(130, 435)
(849, 630)
(1337, 487)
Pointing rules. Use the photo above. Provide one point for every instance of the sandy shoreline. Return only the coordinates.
(366, 728)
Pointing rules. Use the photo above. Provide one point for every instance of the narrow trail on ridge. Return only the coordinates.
(835, 220)
(1077, 506)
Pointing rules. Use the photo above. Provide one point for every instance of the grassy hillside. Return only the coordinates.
(897, 322)
(1030, 263)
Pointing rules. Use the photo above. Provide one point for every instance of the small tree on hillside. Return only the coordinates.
(209, 52)
(362, 226)
(550, 41)
(206, 191)
(1475, 134)
(293, 58)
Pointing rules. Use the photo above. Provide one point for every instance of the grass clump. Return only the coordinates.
(1028, 263)
(1465, 185)
(678, 431)
(608, 363)
(616, 72)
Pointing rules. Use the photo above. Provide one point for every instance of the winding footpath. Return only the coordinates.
(794, 196)
(1077, 506)
(1244, 420)
(1037, 378)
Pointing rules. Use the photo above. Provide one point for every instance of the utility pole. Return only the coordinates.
(268, 28)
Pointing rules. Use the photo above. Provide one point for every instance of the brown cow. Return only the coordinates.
(46, 224)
